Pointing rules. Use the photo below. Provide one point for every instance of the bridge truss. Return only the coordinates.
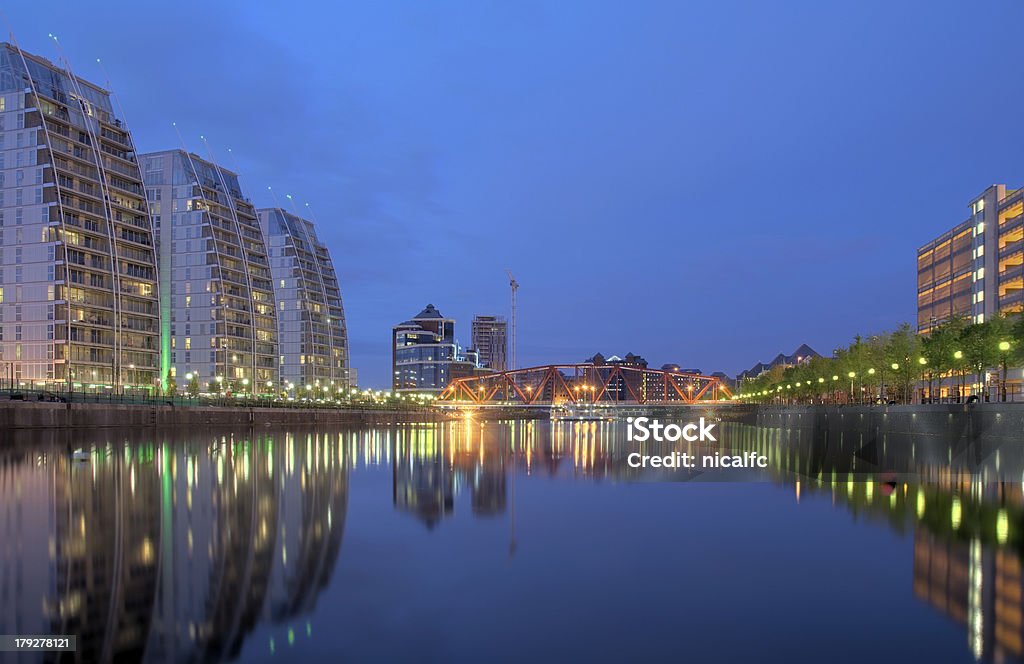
(585, 383)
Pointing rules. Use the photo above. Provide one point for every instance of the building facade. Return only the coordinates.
(490, 339)
(78, 286)
(219, 317)
(422, 352)
(976, 269)
(312, 333)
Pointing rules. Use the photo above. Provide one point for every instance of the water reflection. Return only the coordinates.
(169, 549)
(179, 548)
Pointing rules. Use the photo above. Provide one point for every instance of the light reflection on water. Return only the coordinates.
(201, 546)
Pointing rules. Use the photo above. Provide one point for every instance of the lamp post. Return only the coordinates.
(959, 355)
(1004, 352)
(923, 362)
(851, 376)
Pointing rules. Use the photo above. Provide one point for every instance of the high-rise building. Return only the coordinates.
(312, 334)
(490, 339)
(976, 269)
(422, 351)
(78, 289)
(219, 317)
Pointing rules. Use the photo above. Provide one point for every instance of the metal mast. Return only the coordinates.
(512, 337)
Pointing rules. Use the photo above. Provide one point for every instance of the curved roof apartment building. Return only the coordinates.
(312, 331)
(220, 323)
(78, 288)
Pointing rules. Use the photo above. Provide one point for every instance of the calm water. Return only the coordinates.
(501, 542)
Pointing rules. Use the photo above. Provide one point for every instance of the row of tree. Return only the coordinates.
(889, 366)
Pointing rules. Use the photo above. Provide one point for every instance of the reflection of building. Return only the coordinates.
(422, 480)
(78, 293)
(217, 297)
(313, 336)
(430, 468)
(976, 269)
(490, 338)
(107, 536)
(172, 553)
(307, 549)
(977, 586)
(26, 501)
(422, 350)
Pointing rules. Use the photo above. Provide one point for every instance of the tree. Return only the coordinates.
(980, 344)
(939, 349)
(902, 348)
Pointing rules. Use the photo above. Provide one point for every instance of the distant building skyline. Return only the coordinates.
(801, 355)
(423, 350)
(490, 340)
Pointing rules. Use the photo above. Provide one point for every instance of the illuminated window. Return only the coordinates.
(981, 251)
(981, 273)
(188, 343)
(980, 228)
(981, 296)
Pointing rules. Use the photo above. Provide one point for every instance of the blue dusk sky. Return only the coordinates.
(704, 183)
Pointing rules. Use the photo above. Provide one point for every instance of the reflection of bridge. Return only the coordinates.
(585, 383)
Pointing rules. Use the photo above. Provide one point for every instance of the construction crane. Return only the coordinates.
(514, 285)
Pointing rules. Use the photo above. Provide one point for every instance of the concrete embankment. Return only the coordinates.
(994, 421)
(32, 415)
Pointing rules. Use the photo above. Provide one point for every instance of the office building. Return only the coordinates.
(312, 335)
(490, 339)
(78, 288)
(976, 269)
(219, 317)
(422, 351)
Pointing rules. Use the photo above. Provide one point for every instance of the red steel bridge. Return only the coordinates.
(557, 384)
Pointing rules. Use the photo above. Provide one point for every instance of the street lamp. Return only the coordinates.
(1004, 348)
(959, 355)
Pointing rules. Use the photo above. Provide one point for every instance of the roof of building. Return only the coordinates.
(802, 353)
(430, 312)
